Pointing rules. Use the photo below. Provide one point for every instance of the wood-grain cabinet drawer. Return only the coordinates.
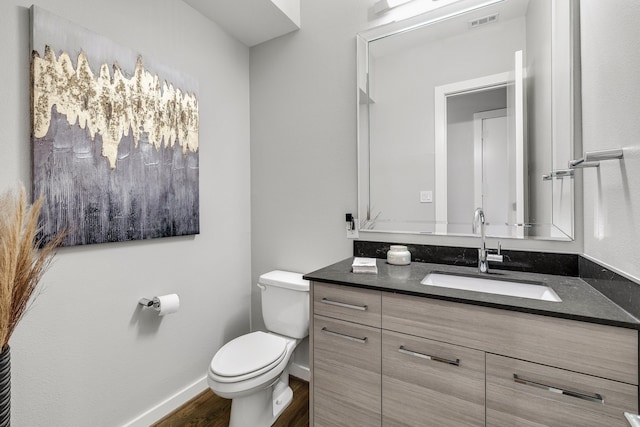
(429, 383)
(524, 393)
(346, 374)
(599, 350)
(352, 304)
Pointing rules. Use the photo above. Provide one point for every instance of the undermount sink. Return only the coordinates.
(492, 286)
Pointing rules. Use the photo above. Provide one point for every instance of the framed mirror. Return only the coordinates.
(469, 105)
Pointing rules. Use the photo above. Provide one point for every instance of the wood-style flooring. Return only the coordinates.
(210, 410)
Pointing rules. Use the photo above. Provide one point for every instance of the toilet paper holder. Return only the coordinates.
(146, 302)
(163, 304)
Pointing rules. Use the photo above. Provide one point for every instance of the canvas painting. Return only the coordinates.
(114, 138)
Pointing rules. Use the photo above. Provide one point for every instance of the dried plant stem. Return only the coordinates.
(22, 260)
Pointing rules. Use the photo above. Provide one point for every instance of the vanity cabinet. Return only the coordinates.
(426, 382)
(540, 371)
(346, 357)
(525, 393)
(598, 350)
(380, 358)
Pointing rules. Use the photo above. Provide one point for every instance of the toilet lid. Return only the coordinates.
(257, 351)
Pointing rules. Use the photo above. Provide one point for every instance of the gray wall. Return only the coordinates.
(303, 132)
(611, 119)
(85, 354)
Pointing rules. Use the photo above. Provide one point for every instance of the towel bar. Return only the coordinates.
(559, 173)
(591, 159)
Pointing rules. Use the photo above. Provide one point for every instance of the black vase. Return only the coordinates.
(5, 388)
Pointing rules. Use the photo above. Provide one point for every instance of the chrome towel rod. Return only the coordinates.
(559, 173)
(591, 159)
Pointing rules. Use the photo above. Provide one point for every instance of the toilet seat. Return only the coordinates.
(248, 356)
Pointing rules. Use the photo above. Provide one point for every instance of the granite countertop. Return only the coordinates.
(580, 301)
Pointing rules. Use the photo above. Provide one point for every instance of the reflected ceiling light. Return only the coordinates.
(385, 5)
(413, 8)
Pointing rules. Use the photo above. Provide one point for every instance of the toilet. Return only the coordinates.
(253, 369)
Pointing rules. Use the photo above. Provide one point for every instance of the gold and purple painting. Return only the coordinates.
(114, 138)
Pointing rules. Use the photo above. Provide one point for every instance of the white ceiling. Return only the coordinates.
(251, 21)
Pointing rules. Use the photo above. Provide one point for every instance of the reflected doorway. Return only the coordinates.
(493, 191)
(470, 161)
(467, 177)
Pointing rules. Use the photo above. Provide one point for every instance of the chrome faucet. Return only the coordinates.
(484, 255)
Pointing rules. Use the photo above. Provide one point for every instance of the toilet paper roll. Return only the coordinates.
(167, 304)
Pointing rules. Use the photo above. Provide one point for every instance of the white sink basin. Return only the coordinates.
(492, 286)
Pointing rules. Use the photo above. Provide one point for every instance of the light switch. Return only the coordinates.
(426, 196)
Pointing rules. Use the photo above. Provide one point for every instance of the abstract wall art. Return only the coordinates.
(114, 138)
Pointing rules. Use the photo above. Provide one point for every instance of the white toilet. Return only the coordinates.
(253, 369)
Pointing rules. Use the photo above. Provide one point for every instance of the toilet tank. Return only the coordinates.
(285, 303)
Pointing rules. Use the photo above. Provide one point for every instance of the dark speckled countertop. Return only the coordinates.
(580, 301)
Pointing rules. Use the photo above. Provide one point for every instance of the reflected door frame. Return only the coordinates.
(441, 93)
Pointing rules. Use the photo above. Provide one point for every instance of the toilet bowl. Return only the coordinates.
(253, 369)
(259, 386)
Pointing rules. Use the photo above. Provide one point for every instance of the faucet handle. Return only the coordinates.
(496, 257)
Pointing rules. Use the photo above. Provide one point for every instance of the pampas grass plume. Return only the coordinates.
(23, 258)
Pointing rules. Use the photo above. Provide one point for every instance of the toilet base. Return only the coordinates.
(262, 408)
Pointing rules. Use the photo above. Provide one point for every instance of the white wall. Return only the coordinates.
(85, 354)
(611, 119)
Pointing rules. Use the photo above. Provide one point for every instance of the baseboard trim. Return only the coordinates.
(300, 371)
(169, 405)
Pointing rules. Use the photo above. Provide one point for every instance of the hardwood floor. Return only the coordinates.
(209, 410)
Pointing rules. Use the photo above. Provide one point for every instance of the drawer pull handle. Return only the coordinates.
(590, 397)
(345, 305)
(429, 357)
(348, 337)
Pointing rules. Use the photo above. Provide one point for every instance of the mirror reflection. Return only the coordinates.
(465, 108)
